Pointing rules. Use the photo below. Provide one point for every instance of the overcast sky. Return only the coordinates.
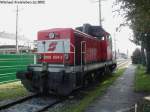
(62, 13)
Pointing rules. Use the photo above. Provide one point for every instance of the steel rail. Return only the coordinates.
(20, 100)
(122, 63)
(49, 105)
(24, 100)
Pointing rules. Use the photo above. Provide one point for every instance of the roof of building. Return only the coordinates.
(11, 46)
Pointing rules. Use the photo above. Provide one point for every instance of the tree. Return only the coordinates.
(136, 57)
(137, 15)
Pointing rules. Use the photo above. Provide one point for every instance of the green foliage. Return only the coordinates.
(137, 57)
(142, 80)
(12, 91)
(137, 14)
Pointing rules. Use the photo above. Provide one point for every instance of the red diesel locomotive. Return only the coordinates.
(67, 59)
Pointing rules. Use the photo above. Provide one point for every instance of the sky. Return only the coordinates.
(63, 13)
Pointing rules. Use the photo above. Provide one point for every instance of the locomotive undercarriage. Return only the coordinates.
(46, 81)
(59, 79)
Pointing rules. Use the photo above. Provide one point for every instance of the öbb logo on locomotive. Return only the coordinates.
(52, 46)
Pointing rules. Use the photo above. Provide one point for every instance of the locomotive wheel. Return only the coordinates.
(94, 76)
(99, 75)
(88, 79)
(85, 82)
(107, 70)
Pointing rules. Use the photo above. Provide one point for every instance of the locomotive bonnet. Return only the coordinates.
(68, 58)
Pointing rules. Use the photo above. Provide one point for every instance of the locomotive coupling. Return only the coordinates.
(44, 66)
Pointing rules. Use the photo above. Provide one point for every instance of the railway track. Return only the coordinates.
(122, 63)
(32, 103)
(37, 103)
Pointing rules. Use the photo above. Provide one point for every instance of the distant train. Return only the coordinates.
(68, 59)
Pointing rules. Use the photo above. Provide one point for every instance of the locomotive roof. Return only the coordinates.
(77, 32)
(95, 31)
(55, 29)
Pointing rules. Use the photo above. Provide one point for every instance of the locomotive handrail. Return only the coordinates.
(43, 43)
(64, 53)
(74, 51)
(68, 53)
(83, 52)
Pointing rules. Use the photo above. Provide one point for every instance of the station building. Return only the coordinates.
(11, 49)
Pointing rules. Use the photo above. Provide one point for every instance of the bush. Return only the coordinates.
(136, 56)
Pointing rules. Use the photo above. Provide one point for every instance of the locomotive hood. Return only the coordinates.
(95, 31)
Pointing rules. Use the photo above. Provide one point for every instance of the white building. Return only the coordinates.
(11, 49)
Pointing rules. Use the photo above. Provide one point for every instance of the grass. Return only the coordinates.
(12, 90)
(91, 95)
(142, 80)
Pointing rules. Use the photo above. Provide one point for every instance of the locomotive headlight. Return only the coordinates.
(51, 35)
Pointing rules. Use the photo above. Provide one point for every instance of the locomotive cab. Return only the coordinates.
(54, 46)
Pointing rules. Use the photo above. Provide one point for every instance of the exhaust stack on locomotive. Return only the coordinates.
(66, 58)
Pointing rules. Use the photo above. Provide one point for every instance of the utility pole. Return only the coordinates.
(115, 46)
(100, 15)
(99, 11)
(127, 53)
(17, 50)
